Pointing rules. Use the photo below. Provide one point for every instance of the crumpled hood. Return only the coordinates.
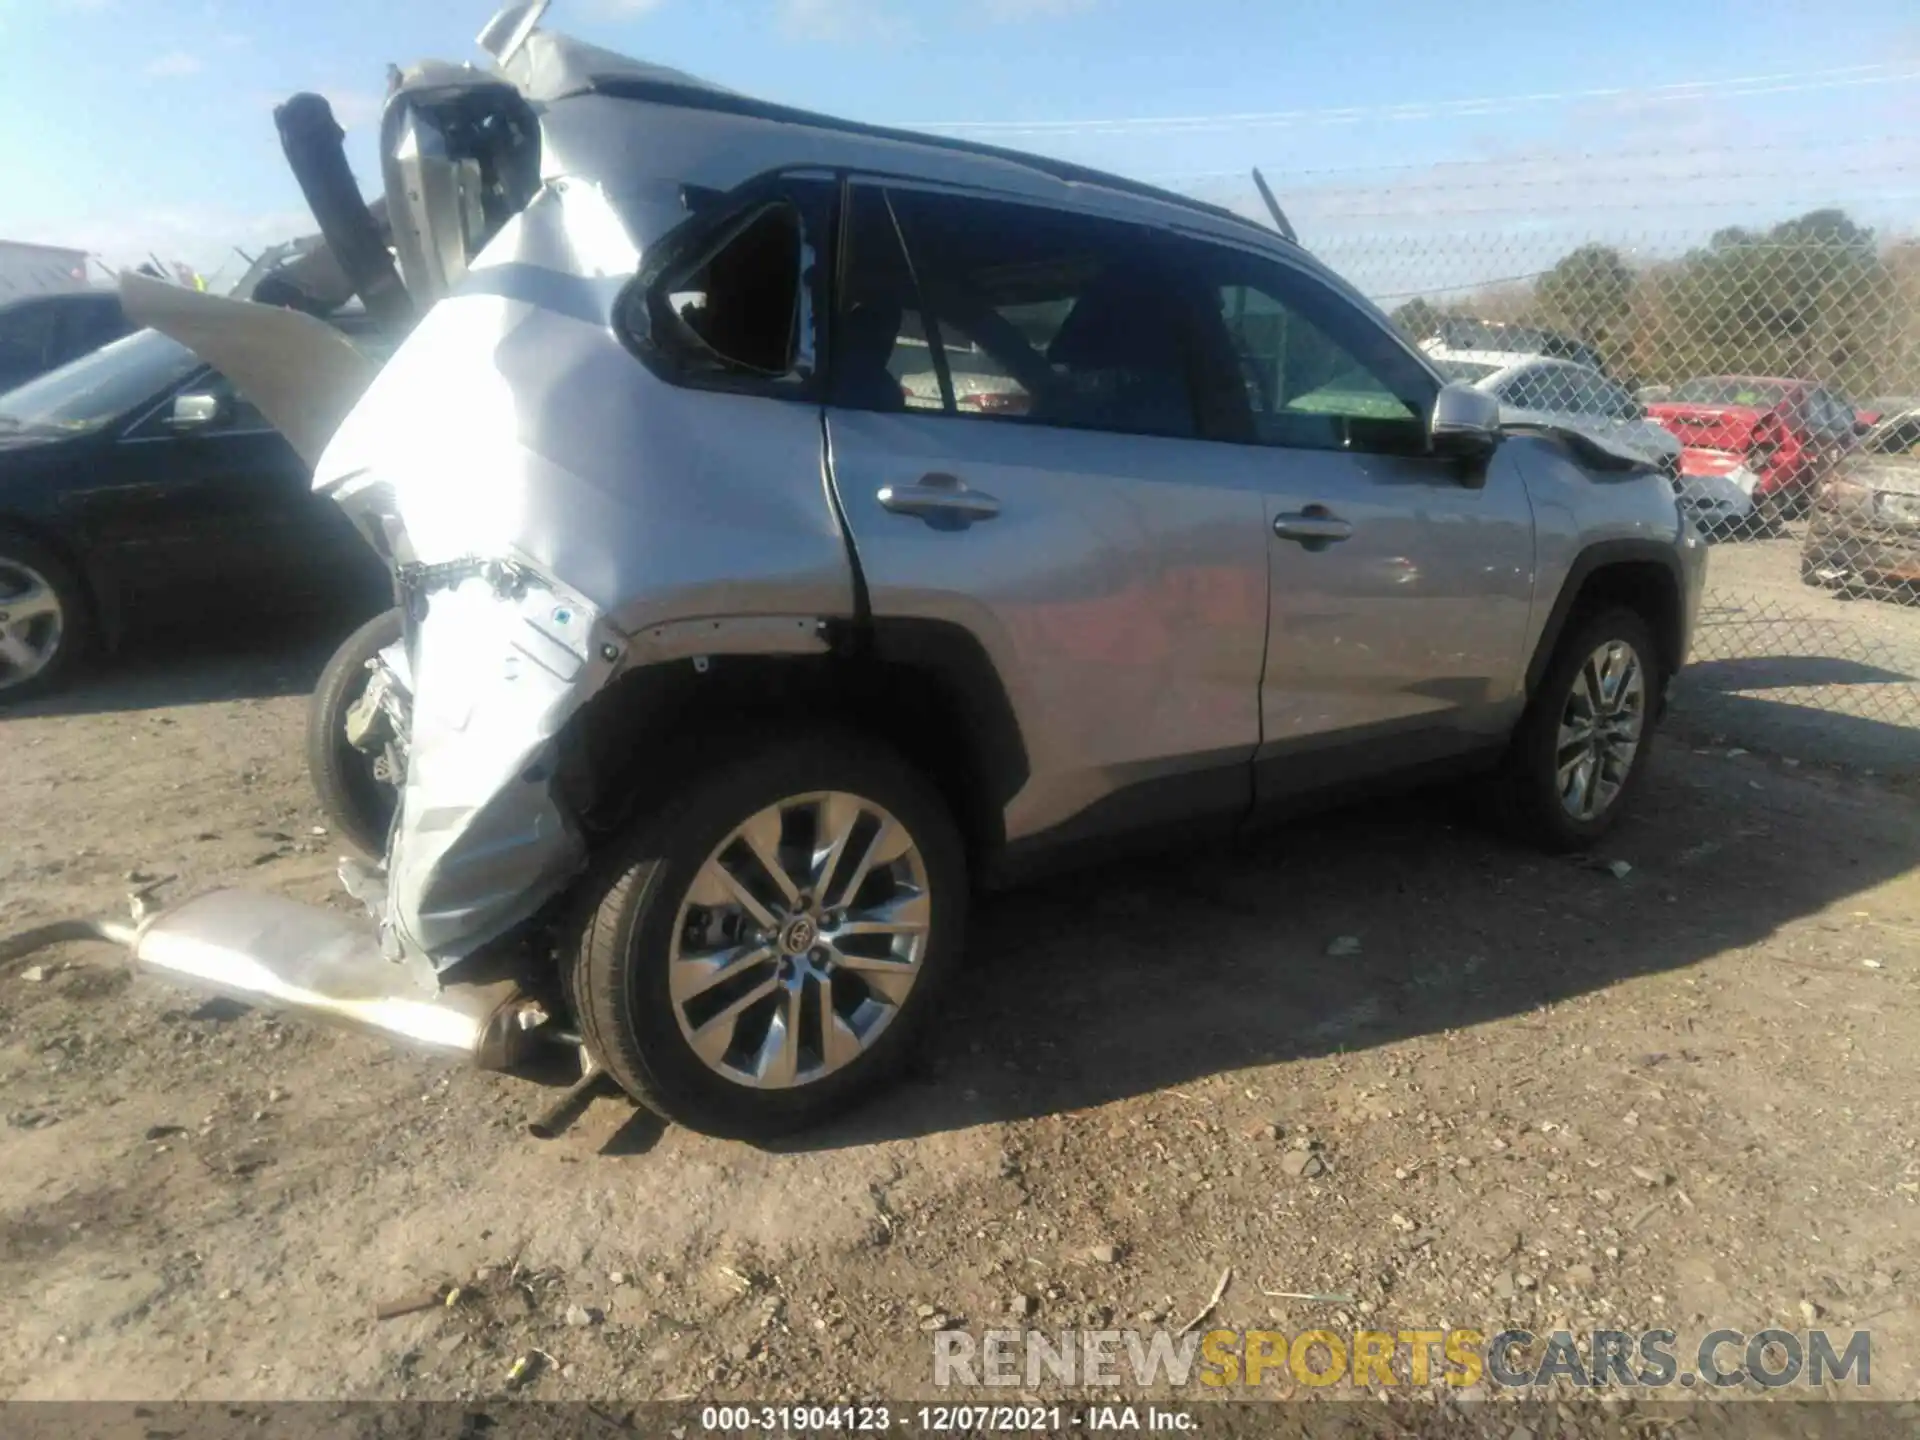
(1627, 441)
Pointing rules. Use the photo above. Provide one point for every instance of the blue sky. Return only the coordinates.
(130, 125)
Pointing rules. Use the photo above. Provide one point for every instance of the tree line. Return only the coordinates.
(1814, 297)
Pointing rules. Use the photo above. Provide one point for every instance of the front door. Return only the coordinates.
(1401, 583)
(224, 509)
(1014, 442)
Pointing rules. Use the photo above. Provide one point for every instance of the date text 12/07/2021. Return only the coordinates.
(942, 1419)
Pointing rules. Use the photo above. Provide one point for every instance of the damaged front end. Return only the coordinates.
(504, 463)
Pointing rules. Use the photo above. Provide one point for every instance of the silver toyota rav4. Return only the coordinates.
(800, 525)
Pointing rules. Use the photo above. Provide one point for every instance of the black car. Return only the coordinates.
(137, 485)
(39, 333)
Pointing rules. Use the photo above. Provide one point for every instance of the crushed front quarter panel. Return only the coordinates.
(560, 509)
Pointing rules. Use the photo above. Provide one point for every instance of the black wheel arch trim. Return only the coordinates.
(1601, 555)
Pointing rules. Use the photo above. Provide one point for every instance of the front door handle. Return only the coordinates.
(1315, 527)
(940, 498)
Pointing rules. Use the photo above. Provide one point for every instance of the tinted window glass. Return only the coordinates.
(733, 308)
(1528, 389)
(26, 336)
(1286, 360)
(1464, 370)
(1758, 394)
(882, 353)
(1610, 400)
(91, 324)
(1566, 390)
(104, 386)
(1048, 317)
(1827, 412)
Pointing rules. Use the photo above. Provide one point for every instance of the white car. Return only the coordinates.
(1717, 488)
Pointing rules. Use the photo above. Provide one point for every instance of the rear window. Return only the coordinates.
(732, 309)
(26, 336)
(1754, 394)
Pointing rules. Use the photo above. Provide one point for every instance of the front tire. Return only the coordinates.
(1581, 747)
(46, 627)
(758, 955)
(359, 805)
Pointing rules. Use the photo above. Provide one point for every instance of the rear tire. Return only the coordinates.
(661, 918)
(1532, 799)
(40, 649)
(359, 806)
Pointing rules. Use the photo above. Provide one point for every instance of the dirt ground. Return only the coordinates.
(1802, 670)
(1533, 1090)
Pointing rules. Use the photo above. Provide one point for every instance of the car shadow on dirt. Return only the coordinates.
(248, 658)
(1354, 930)
(1852, 724)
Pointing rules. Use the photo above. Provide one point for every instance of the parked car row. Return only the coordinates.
(1744, 452)
(1786, 433)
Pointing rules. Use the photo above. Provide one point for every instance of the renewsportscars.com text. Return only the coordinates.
(1508, 1358)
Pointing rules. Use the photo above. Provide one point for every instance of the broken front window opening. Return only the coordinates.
(735, 308)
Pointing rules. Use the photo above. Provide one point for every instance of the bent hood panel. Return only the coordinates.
(304, 375)
(1629, 443)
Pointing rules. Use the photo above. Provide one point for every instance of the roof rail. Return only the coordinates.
(694, 97)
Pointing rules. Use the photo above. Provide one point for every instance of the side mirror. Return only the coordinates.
(193, 412)
(1465, 423)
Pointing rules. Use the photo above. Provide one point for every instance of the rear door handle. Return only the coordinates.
(940, 498)
(1315, 527)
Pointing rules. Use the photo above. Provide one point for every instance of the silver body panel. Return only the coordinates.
(1141, 614)
(1420, 618)
(1121, 591)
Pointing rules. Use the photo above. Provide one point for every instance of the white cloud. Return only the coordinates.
(174, 64)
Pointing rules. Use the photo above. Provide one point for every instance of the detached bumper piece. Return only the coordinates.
(276, 953)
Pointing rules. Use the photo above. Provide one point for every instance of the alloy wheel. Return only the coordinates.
(1601, 727)
(799, 940)
(31, 623)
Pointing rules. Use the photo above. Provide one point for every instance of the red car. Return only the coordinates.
(1787, 432)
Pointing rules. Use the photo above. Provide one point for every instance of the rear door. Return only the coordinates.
(1015, 444)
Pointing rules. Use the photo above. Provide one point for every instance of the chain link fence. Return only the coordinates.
(1770, 365)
